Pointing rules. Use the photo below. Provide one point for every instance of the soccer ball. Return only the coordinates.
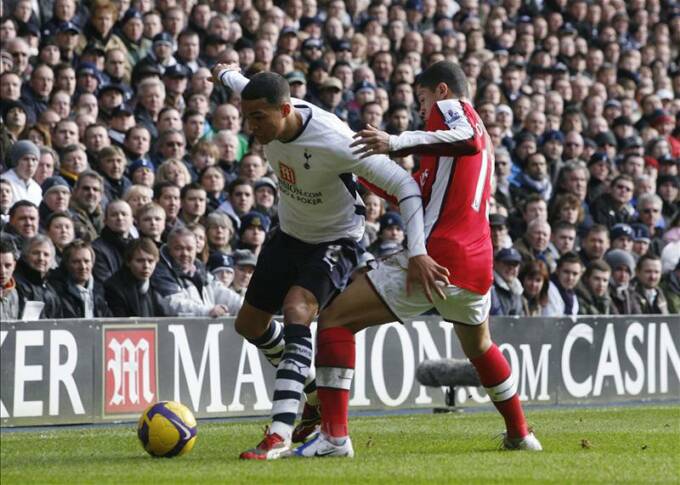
(167, 429)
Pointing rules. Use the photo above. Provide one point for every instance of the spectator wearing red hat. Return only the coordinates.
(664, 123)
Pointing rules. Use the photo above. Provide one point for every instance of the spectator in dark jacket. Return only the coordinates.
(86, 205)
(81, 296)
(670, 285)
(593, 294)
(10, 303)
(31, 276)
(56, 197)
(129, 291)
(506, 292)
(112, 164)
(647, 292)
(614, 207)
(595, 244)
(534, 245)
(115, 238)
(622, 265)
(23, 223)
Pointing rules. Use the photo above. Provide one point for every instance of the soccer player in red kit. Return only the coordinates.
(455, 174)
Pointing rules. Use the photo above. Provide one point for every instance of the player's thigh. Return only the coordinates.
(463, 306)
(326, 269)
(273, 277)
(356, 308)
(469, 312)
(251, 322)
(388, 281)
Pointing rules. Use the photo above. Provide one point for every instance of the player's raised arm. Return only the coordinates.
(461, 137)
(230, 76)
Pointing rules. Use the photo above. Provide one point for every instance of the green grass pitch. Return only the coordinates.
(583, 445)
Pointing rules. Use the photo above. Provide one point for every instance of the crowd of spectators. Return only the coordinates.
(130, 185)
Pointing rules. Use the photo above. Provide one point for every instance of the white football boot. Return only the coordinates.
(528, 443)
(321, 446)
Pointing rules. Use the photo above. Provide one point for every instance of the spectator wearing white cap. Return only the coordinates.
(23, 157)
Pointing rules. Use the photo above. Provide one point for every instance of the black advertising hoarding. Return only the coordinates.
(56, 372)
(47, 372)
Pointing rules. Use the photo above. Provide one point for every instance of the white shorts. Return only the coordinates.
(460, 305)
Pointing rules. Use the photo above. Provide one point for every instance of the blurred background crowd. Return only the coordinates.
(130, 185)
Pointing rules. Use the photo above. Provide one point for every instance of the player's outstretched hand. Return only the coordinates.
(231, 66)
(371, 141)
(425, 271)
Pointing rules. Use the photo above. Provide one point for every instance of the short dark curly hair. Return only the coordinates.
(446, 72)
(268, 85)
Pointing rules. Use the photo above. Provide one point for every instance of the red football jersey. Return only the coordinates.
(455, 173)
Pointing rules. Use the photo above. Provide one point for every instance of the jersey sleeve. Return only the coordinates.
(383, 174)
(460, 137)
(234, 80)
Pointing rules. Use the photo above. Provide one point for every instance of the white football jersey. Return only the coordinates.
(317, 173)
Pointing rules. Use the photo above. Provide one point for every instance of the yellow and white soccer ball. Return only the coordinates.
(167, 429)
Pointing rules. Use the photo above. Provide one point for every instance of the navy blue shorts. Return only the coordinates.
(323, 269)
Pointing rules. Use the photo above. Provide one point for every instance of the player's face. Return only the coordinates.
(426, 98)
(264, 120)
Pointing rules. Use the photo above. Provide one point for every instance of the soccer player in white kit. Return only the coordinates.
(321, 215)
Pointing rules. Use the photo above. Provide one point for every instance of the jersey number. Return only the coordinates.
(479, 191)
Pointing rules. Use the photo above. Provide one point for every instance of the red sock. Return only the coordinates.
(334, 371)
(495, 375)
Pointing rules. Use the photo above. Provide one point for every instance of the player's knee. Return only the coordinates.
(300, 312)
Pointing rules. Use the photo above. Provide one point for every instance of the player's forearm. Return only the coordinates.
(393, 180)
(411, 208)
(457, 142)
(233, 80)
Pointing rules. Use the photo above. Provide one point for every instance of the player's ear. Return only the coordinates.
(442, 90)
(286, 109)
